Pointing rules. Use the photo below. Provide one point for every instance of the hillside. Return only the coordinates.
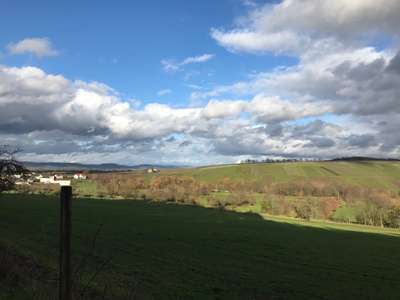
(363, 192)
(378, 174)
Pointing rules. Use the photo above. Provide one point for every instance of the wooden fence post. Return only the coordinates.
(65, 243)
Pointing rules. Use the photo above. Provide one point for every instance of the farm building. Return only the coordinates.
(152, 170)
(80, 176)
(54, 180)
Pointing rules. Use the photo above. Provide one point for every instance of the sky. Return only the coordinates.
(199, 82)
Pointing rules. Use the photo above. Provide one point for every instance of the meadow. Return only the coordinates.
(376, 174)
(157, 250)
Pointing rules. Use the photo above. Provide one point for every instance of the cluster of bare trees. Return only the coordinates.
(159, 188)
(9, 166)
(312, 198)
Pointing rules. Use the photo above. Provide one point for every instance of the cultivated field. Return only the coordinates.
(172, 251)
(377, 174)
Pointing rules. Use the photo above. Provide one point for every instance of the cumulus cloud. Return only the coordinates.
(273, 109)
(39, 47)
(170, 65)
(361, 81)
(222, 109)
(32, 100)
(338, 73)
(293, 27)
(341, 98)
(56, 117)
(253, 41)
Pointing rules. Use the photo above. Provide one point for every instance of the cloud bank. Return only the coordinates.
(341, 98)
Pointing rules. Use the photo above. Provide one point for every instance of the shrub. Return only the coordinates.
(393, 217)
(240, 199)
(304, 209)
(277, 205)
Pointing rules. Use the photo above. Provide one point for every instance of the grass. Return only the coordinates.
(346, 213)
(187, 252)
(377, 174)
(86, 187)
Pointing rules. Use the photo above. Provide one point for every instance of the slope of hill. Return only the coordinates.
(379, 174)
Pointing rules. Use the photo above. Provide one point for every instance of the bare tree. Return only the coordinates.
(9, 166)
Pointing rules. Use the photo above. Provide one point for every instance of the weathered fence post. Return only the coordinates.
(65, 243)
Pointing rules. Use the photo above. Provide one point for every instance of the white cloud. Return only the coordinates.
(164, 92)
(273, 109)
(169, 65)
(173, 66)
(293, 27)
(340, 99)
(223, 109)
(39, 47)
(253, 41)
(359, 81)
(197, 59)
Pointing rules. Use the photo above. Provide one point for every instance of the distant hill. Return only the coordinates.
(360, 172)
(87, 167)
(363, 158)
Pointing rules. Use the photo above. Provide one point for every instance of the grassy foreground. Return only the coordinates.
(186, 252)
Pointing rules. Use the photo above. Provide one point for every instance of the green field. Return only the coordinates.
(378, 174)
(175, 251)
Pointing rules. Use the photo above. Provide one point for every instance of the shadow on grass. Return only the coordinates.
(172, 251)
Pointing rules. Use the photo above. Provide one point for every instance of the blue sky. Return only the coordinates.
(123, 44)
(199, 82)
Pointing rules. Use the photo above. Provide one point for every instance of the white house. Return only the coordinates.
(53, 180)
(64, 182)
(46, 180)
(22, 183)
(80, 176)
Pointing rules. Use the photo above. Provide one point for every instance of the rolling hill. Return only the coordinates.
(378, 174)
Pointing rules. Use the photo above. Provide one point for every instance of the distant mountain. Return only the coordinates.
(87, 167)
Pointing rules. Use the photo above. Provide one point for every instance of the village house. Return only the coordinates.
(152, 170)
(23, 179)
(54, 179)
(80, 176)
